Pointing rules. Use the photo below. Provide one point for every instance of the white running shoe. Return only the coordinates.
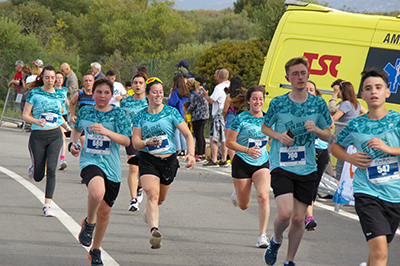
(47, 212)
(233, 198)
(262, 241)
(134, 206)
(30, 172)
(228, 169)
(363, 264)
(63, 165)
(139, 195)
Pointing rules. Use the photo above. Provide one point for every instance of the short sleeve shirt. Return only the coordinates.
(46, 105)
(97, 149)
(218, 96)
(358, 131)
(249, 129)
(284, 114)
(349, 111)
(118, 90)
(64, 92)
(162, 125)
(132, 106)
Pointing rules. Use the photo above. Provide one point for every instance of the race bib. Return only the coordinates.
(98, 144)
(164, 146)
(292, 156)
(260, 143)
(51, 119)
(383, 170)
(18, 99)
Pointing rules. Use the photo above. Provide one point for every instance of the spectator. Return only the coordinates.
(38, 63)
(192, 88)
(17, 82)
(95, 68)
(332, 105)
(71, 81)
(183, 72)
(179, 95)
(119, 90)
(185, 64)
(199, 109)
(217, 134)
(128, 88)
(349, 108)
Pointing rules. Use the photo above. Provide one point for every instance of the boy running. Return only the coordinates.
(298, 118)
(376, 183)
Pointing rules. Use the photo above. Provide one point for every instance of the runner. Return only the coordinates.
(132, 105)
(43, 109)
(63, 90)
(251, 163)
(322, 159)
(376, 181)
(153, 135)
(107, 127)
(298, 118)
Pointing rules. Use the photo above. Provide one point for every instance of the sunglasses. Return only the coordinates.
(153, 79)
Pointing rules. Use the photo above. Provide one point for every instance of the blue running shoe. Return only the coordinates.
(271, 252)
(289, 263)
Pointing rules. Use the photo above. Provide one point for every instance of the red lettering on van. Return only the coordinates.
(334, 61)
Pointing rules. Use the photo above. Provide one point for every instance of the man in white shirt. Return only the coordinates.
(119, 90)
(217, 100)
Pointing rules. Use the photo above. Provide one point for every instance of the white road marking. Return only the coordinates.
(73, 227)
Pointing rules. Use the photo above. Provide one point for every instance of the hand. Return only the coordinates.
(191, 161)
(360, 159)
(98, 128)
(285, 139)
(376, 143)
(254, 152)
(73, 119)
(205, 92)
(41, 122)
(336, 90)
(154, 141)
(74, 151)
(310, 126)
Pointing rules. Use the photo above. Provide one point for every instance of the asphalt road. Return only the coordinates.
(198, 222)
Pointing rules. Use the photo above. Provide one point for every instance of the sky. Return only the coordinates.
(357, 5)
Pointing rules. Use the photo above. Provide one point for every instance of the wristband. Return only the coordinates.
(76, 145)
(191, 154)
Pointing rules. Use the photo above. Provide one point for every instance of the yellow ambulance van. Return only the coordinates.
(337, 44)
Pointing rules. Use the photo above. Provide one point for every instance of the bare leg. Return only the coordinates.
(378, 251)
(296, 228)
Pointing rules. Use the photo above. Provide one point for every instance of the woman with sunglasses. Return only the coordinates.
(43, 110)
(153, 134)
(349, 108)
(106, 128)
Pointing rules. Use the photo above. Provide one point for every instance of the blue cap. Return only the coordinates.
(183, 63)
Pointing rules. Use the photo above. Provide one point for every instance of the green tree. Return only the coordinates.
(75, 7)
(244, 59)
(248, 5)
(12, 39)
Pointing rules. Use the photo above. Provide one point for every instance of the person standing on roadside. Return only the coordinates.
(71, 81)
(217, 133)
(298, 117)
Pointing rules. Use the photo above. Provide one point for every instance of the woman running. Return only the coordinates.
(106, 128)
(250, 163)
(153, 133)
(43, 110)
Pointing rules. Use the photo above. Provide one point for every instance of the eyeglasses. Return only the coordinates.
(296, 74)
(153, 79)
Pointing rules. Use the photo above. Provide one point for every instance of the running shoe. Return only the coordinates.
(63, 165)
(86, 234)
(139, 195)
(289, 263)
(363, 264)
(227, 169)
(95, 257)
(211, 164)
(262, 241)
(271, 252)
(134, 206)
(47, 212)
(155, 239)
(310, 223)
(30, 172)
(233, 198)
